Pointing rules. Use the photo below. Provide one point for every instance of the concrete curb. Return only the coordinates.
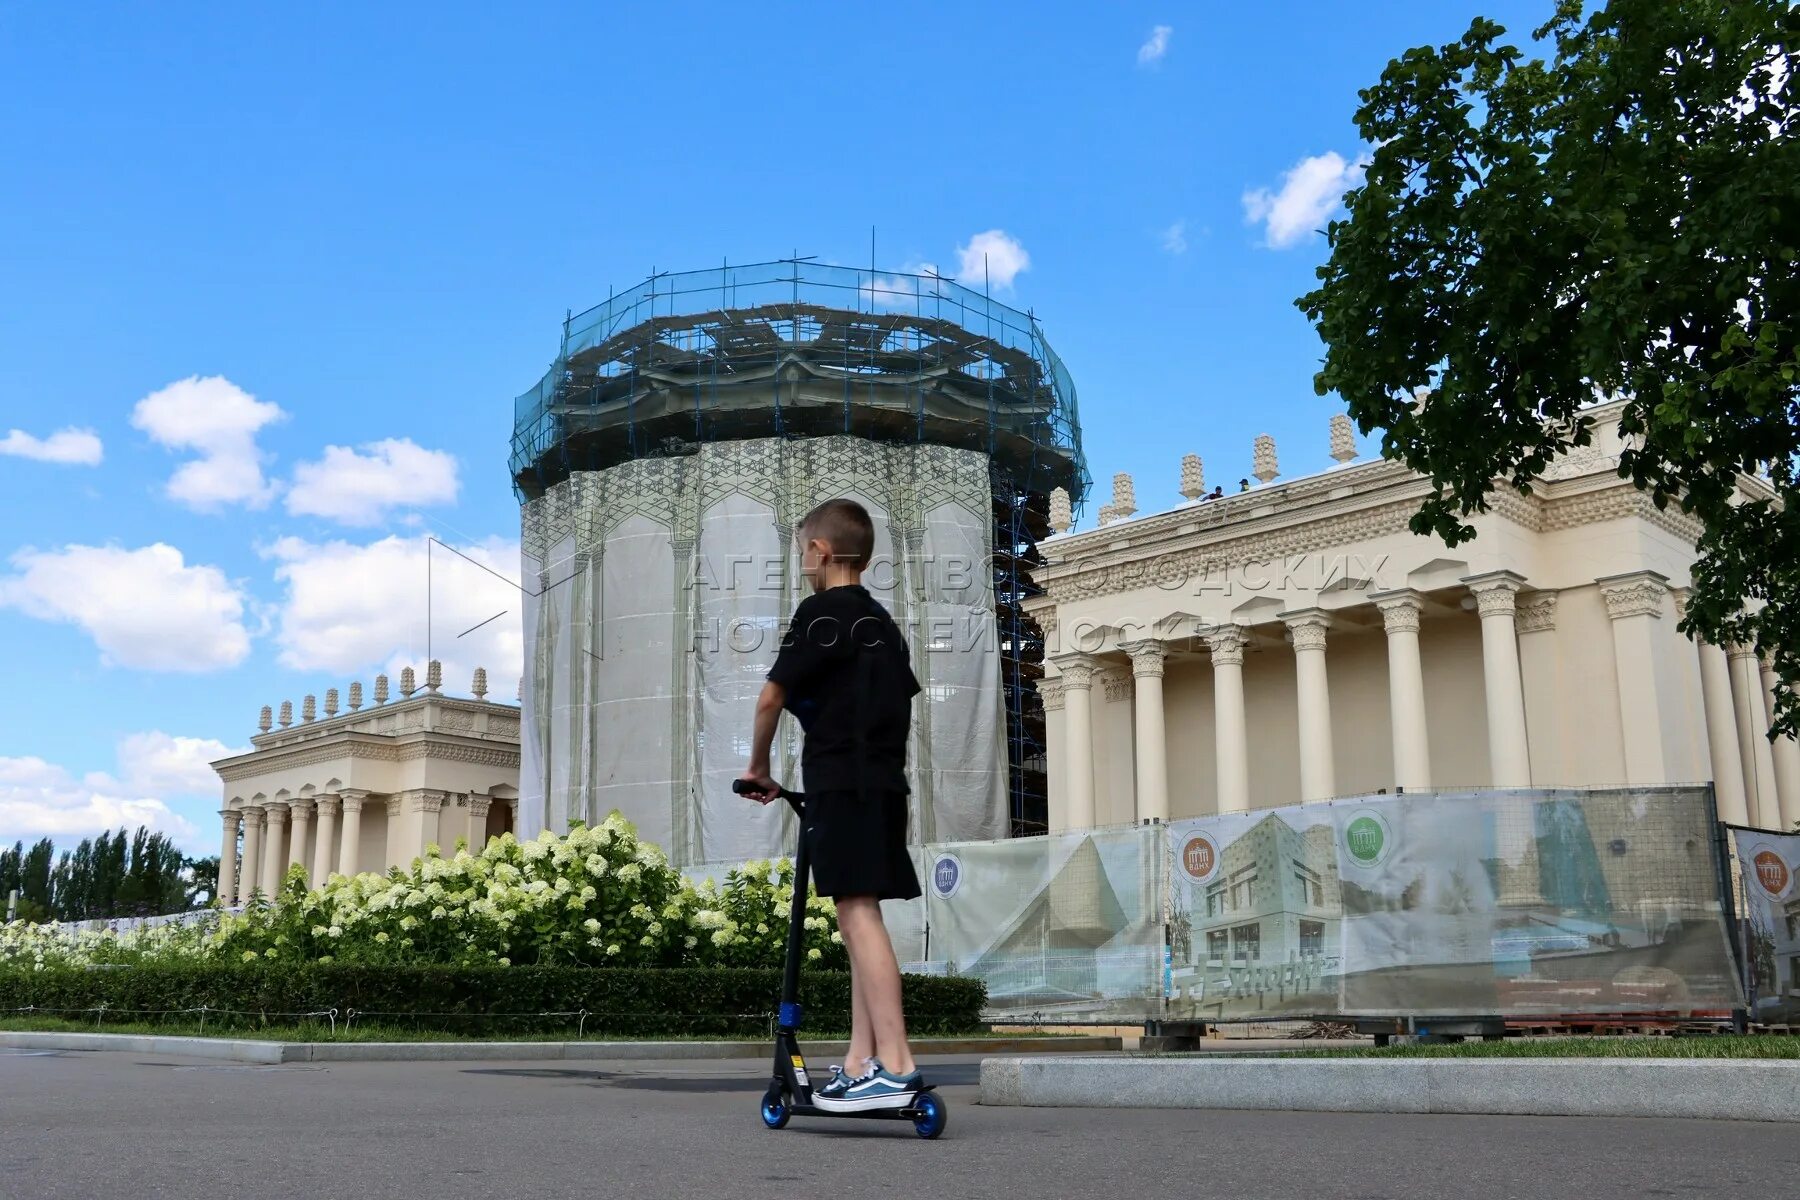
(1708, 1089)
(244, 1050)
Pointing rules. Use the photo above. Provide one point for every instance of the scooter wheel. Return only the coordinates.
(929, 1115)
(775, 1110)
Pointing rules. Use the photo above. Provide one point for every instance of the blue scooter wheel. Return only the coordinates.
(929, 1115)
(775, 1110)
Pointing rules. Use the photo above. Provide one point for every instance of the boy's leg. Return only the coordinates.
(862, 1035)
(874, 967)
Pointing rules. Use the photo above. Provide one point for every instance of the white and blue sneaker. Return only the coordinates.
(879, 1088)
(835, 1086)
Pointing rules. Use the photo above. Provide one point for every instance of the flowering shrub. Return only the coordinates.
(594, 897)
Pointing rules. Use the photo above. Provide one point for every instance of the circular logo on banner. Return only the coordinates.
(1772, 873)
(946, 875)
(1368, 839)
(1199, 858)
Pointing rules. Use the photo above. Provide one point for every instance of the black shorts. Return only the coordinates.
(858, 845)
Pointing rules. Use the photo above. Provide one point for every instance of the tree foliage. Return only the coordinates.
(117, 874)
(1622, 219)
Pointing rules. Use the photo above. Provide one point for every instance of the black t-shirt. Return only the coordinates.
(844, 663)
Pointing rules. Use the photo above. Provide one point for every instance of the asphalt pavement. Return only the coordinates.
(98, 1125)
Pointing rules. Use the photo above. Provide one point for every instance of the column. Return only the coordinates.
(1509, 754)
(1721, 734)
(1149, 727)
(350, 839)
(1078, 721)
(251, 881)
(1754, 751)
(274, 850)
(1306, 629)
(323, 859)
(228, 858)
(1785, 752)
(479, 803)
(1400, 613)
(394, 853)
(299, 825)
(423, 807)
(1635, 602)
(1231, 737)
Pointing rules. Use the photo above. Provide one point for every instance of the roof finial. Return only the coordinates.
(1124, 496)
(434, 675)
(1106, 515)
(262, 722)
(309, 710)
(1263, 461)
(479, 688)
(331, 703)
(1193, 477)
(381, 689)
(408, 682)
(356, 695)
(287, 713)
(1062, 516)
(1343, 439)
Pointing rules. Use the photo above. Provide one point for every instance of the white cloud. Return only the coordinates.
(902, 291)
(219, 421)
(40, 799)
(144, 608)
(350, 608)
(159, 763)
(1310, 192)
(1156, 46)
(994, 256)
(1174, 238)
(69, 447)
(362, 488)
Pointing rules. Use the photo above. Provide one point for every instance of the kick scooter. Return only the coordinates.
(790, 1091)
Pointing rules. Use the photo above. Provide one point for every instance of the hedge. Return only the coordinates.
(626, 1002)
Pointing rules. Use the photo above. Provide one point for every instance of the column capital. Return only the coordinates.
(301, 811)
(1537, 612)
(275, 813)
(253, 815)
(1147, 655)
(1634, 594)
(396, 803)
(230, 817)
(479, 803)
(326, 803)
(352, 798)
(1400, 609)
(1226, 642)
(426, 800)
(1680, 596)
(1306, 627)
(1050, 691)
(1495, 592)
(1076, 671)
(1117, 684)
(1740, 650)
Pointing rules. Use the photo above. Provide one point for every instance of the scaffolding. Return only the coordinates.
(797, 348)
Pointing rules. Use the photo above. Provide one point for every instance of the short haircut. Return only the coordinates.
(844, 525)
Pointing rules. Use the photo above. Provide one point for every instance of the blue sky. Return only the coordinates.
(273, 275)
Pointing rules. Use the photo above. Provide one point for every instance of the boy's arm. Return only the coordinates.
(762, 734)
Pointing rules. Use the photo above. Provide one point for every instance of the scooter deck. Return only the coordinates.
(909, 1113)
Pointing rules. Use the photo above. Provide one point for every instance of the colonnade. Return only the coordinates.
(1756, 782)
(275, 835)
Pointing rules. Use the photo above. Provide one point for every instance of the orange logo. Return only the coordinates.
(1771, 872)
(1199, 857)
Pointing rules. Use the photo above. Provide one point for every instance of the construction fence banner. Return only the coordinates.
(1065, 927)
(1552, 903)
(1769, 923)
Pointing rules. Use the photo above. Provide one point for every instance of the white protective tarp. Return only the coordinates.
(662, 587)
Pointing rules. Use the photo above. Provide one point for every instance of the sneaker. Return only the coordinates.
(834, 1086)
(880, 1088)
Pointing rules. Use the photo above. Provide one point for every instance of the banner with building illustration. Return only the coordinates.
(1255, 916)
(1768, 866)
(1514, 903)
(1065, 928)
